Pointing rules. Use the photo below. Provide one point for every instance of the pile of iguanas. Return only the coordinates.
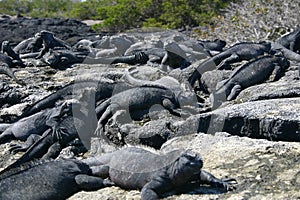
(76, 112)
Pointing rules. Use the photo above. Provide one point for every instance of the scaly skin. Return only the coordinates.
(249, 74)
(291, 41)
(49, 180)
(236, 53)
(153, 173)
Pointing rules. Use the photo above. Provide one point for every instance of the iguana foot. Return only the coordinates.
(15, 148)
(227, 184)
(108, 183)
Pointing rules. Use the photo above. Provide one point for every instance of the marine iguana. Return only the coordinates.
(47, 146)
(8, 59)
(291, 41)
(77, 122)
(50, 42)
(213, 46)
(34, 124)
(236, 53)
(136, 99)
(6, 48)
(118, 44)
(153, 173)
(289, 54)
(5, 69)
(103, 89)
(185, 95)
(171, 55)
(251, 73)
(136, 58)
(57, 179)
(62, 59)
(30, 45)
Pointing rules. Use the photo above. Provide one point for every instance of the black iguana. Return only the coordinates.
(154, 173)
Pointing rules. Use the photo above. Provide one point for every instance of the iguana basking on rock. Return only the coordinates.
(78, 121)
(171, 55)
(137, 99)
(6, 48)
(34, 124)
(254, 72)
(104, 88)
(154, 173)
(58, 180)
(185, 96)
(39, 45)
(62, 59)
(50, 42)
(236, 53)
(216, 45)
(289, 54)
(30, 45)
(8, 59)
(291, 41)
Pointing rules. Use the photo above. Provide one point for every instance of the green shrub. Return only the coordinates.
(13, 7)
(120, 15)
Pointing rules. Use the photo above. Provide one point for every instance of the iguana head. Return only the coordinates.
(45, 34)
(283, 61)
(52, 58)
(186, 166)
(267, 46)
(4, 46)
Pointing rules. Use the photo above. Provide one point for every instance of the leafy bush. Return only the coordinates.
(120, 15)
(125, 14)
(50, 8)
(85, 10)
(37, 8)
(13, 7)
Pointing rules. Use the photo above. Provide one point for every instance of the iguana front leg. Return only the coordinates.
(160, 183)
(208, 178)
(101, 171)
(53, 151)
(103, 119)
(163, 61)
(22, 148)
(276, 74)
(156, 186)
(292, 46)
(170, 106)
(227, 61)
(91, 183)
(234, 92)
(6, 136)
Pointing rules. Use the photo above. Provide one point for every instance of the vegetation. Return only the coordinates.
(256, 20)
(235, 21)
(119, 15)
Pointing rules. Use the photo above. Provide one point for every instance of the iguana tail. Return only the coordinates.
(137, 58)
(4, 69)
(37, 150)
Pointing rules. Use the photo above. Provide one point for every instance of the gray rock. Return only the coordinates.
(276, 119)
(264, 169)
(210, 79)
(153, 134)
